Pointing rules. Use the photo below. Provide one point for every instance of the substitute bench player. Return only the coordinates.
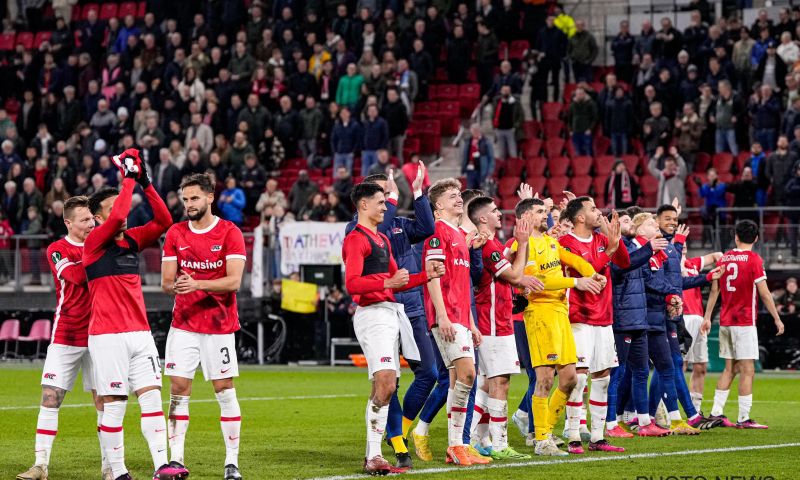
(202, 265)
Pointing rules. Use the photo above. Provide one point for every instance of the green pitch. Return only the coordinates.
(309, 423)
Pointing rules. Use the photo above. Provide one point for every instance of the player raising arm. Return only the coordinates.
(742, 275)
(202, 266)
(371, 277)
(123, 352)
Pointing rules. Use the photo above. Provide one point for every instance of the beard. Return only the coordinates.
(197, 215)
(543, 227)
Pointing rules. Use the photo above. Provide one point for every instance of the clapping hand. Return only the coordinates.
(420, 178)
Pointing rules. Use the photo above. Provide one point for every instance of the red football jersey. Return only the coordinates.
(693, 298)
(586, 307)
(741, 271)
(494, 298)
(204, 255)
(71, 321)
(519, 317)
(449, 244)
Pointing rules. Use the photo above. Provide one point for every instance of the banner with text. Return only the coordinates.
(310, 243)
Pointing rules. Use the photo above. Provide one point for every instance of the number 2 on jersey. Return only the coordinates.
(733, 272)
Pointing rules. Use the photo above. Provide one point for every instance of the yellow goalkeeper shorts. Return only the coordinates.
(550, 337)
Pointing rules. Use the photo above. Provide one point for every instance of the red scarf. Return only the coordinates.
(496, 121)
(625, 186)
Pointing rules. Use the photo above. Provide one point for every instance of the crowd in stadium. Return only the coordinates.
(273, 99)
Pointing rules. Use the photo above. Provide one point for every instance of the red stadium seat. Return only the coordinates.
(551, 111)
(128, 8)
(532, 129)
(581, 165)
(741, 159)
(25, 39)
(424, 110)
(599, 186)
(445, 92)
(412, 144)
(631, 162)
(723, 162)
(556, 186)
(517, 49)
(76, 14)
(557, 166)
(513, 167)
(532, 148)
(580, 185)
(601, 144)
(535, 166)
(507, 186)
(537, 183)
(603, 165)
(502, 51)
(449, 115)
(141, 9)
(88, 8)
(648, 184)
(468, 96)
(702, 162)
(7, 42)
(554, 147)
(509, 202)
(552, 129)
(569, 89)
(108, 10)
(42, 37)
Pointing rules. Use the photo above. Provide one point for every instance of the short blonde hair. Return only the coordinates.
(640, 218)
(441, 186)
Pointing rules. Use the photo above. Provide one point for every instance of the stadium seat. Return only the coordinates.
(603, 165)
(599, 186)
(7, 42)
(532, 148)
(535, 166)
(601, 145)
(569, 89)
(40, 332)
(88, 8)
(648, 184)
(741, 160)
(128, 8)
(554, 147)
(531, 129)
(580, 185)
(551, 111)
(516, 51)
(557, 166)
(449, 115)
(76, 14)
(556, 186)
(411, 144)
(702, 161)
(722, 161)
(42, 37)
(507, 186)
(537, 183)
(108, 10)
(552, 129)
(631, 163)
(25, 39)
(425, 110)
(508, 203)
(445, 92)
(502, 51)
(513, 167)
(141, 9)
(581, 165)
(469, 95)
(9, 331)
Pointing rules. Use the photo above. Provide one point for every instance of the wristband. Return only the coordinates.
(680, 238)
(709, 276)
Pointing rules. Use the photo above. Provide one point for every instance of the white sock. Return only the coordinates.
(598, 404)
(498, 423)
(481, 405)
(720, 398)
(745, 403)
(112, 436)
(520, 414)
(154, 426)
(584, 401)
(644, 420)
(46, 430)
(177, 426)
(103, 458)
(611, 425)
(675, 415)
(376, 424)
(458, 414)
(697, 400)
(574, 405)
(230, 420)
(422, 428)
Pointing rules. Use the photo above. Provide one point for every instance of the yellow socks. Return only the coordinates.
(556, 407)
(407, 426)
(398, 444)
(540, 423)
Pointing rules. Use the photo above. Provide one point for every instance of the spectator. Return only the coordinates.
(57, 192)
(759, 50)
(382, 165)
(458, 56)
(257, 118)
(788, 51)
(376, 137)
(507, 122)
(583, 117)
(166, 176)
(617, 120)
(407, 84)
(11, 200)
(486, 56)
(671, 178)
(200, 132)
(337, 209)
(582, 51)
(288, 125)
(552, 46)
(315, 209)
(726, 112)
(270, 198)
(689, 128)
(345, 141)
(668, 42)
(789, 302)
(792, 192)
(656, 130)
(301, 192)
(239, 149)
(621, 191)
(311, 121)
(343, 185)
(478, 158)
(713, 192)
(140, 212)
(232, 202)
(794, 146)
(32, 225)
(411, 168)
(8, 157)
(348, 91)
(779, 169)
(396, 116)
(175, 207)
(771, 70)
(757, 163)
(622, 47)
(6, 232)
(742, 59)
(253, 178)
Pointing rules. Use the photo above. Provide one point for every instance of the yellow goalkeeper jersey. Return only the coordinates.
(545, 259)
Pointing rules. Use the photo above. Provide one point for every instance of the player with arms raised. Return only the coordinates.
(743, 276)
(203, 262)
(68, 352)
(124, 354)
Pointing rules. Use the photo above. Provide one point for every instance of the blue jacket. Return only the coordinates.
(376, 135)
(403, 233)
(233, 210)
(630, 299)
(714, 196)
(346, 139)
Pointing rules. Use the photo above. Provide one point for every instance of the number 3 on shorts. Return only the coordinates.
(226, 354)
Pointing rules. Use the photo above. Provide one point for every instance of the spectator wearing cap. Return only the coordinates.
(376, 137)
(765, 110)
(726, 112)
(771, 69)
(346, 139)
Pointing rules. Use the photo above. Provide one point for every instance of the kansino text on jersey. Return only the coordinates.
(204, 265)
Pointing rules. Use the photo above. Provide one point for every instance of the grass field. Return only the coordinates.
(309, 423)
